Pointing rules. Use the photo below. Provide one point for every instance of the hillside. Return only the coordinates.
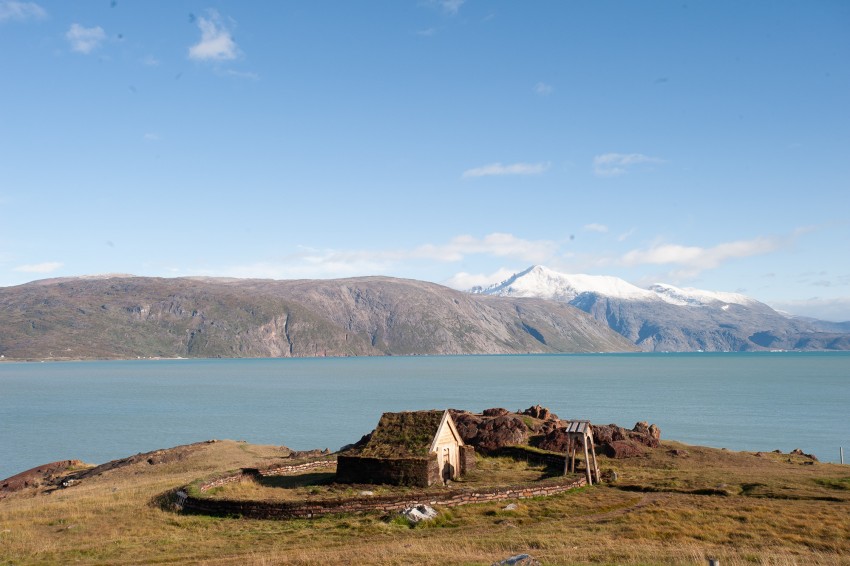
(667, 318)
(676, 504)
(129, 317)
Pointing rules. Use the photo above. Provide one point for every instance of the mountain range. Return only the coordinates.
(122, 316)
(667, 318)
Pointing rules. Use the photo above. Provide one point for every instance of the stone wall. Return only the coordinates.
(467, 459)
(419, 472)
(224, 481)
(384, 504)
(250, 473)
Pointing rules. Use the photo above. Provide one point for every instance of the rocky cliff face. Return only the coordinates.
(129, 317)
(662, 327)
(664, 318)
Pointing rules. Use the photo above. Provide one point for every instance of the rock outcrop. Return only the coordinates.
(487, 433)
(497, 428)
(46, 474)
(612, 440)
(619, 449)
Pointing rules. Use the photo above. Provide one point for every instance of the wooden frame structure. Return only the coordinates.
(581, 432)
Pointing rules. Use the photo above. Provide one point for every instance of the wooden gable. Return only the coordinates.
(446, 433)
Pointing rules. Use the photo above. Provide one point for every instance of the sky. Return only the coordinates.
(700, 144)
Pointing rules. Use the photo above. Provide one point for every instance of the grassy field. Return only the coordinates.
(663, 509)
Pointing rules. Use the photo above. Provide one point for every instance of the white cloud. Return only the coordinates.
(451, 6)
(151, 137)
(45, 267)
(85, 40)
(465, 281)
(543, 89)
(150, 61)
(601, 228)
(626, 235)
(613, 164)
(512, 169)
(696, 259)
(20, 11)
(216, 43)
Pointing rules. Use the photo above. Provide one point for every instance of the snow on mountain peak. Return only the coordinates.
(542, 282)
(697, 297)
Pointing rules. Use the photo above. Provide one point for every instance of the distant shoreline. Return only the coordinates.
(530, 354)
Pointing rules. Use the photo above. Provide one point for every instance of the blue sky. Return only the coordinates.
(702, 144)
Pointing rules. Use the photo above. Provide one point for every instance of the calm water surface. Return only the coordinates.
(99, 411)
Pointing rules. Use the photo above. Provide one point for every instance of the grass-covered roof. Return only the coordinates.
(403, 435)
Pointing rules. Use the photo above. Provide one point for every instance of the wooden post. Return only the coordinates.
(573, 457)
(841, 452)
(593, 455)
(586, 461)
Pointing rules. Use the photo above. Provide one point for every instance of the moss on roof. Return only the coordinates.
(403, 435)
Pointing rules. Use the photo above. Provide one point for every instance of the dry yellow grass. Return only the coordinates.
(778, 511)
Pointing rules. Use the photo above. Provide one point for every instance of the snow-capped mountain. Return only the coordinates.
(697, 297)
(668, 318)
(542, 282)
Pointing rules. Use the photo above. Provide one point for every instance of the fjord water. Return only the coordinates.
(99, 411)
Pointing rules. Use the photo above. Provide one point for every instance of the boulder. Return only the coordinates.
(555, 440)
(541, 413)
(466, 424)
(619, 449)
(518, 560)
(490, 433)
(654, 432)
(495, 412)
(419, 513)
(606, 434)
(500, 432)
(641, 427)
(645, 434)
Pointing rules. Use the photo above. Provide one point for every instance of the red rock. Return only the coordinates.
(495, 412)
(619, 449)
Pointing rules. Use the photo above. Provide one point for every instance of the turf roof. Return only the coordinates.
(403, 435)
